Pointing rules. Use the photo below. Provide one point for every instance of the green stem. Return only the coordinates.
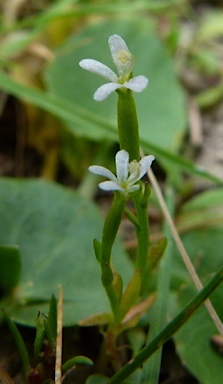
(169, 330)
(129, 140)
(111, 226)
(128, 124)
(142, 231)
(132, 218)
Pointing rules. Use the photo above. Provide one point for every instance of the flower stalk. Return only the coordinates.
(110, 229)
(142, 230)
(128, 124)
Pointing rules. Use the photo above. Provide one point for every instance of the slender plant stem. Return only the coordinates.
(168, 331)
(128, 124)
(109, 233)
(129, 140)
(142, 231)
(183, 252)
(158, 312)
(58, 362)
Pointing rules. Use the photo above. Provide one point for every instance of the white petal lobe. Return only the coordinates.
(102, 171)
(122, 162)
(98, 68)
(137, 84)
(145, 163)
(110, 186)
(116, 43)
(105, 90)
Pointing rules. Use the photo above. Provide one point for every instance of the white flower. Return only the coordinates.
(124, 62)
(127, 173)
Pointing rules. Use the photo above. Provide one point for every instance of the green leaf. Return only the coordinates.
(117, 285)
(10, 267)
(202, 211)
(211, 96)
(135, 377)
(74, 361)
(137, 338)
(40, 334)
(97, 249)
(161, 108)
(19, 343)
(211, 26)
(52, 317)
(50, 323)
(54, 228)
(156, 251)
(131, 294)
(169, 330)
(97, 379)
(193, 342)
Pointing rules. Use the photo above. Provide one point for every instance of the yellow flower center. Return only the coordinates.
(124, 57)
(125, 63)
(134, 168)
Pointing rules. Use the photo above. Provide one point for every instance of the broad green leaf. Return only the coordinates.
(10, 267)
(205, 200)
(54, 228)
(160, 107)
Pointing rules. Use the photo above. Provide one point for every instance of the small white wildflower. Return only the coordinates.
(124, 62)
(128, 174)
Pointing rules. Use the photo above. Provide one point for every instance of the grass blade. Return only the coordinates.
(169, 330)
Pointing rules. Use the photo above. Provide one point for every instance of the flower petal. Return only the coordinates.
(105, 90)
(145, 163)
(122, 163)
(100, 69)
(116, 43)
(122, 58)
(102, 171)
(137, 84)
(110, 186)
